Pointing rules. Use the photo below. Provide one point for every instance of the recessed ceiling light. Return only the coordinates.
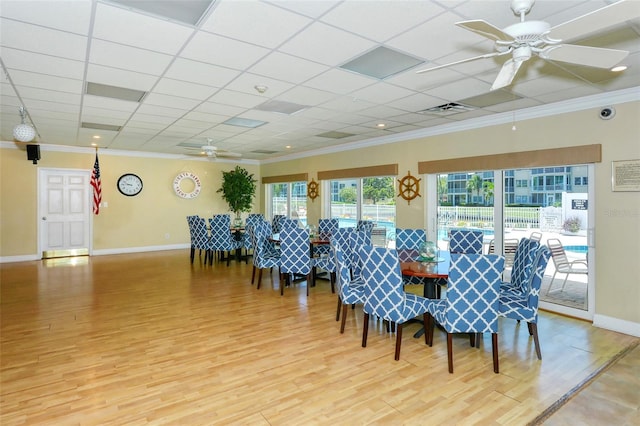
(619, 68)
(381, 125)
(96, 136)
(288, 146)
(244, 122)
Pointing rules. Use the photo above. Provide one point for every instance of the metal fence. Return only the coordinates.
(482, 217)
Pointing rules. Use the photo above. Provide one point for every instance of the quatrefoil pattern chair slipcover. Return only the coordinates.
(522, 267)
(525, 307)
(408, 243)
(222, 240)
(202, 240)
(275, 223)
(349, 292)
(263, 255)
(467, 241)
(252, 219)
(295, 257)
(384, 292)
(326, 228)
(365, 225)
(471, 303)
(340, 240)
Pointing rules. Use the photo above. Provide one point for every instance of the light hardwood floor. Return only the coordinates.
(149, 338)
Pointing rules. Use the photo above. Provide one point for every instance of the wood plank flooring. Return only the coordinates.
(150, 338)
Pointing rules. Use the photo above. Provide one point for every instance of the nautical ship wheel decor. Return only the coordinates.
(312, 189)
(409, 187)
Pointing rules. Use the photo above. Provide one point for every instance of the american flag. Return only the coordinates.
(97, 186)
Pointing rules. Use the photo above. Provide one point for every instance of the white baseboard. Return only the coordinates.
(31, 257)
(616, 324)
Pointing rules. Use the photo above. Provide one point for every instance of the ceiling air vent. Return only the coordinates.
(447, 109)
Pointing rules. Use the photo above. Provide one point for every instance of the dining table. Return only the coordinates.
(433, 273)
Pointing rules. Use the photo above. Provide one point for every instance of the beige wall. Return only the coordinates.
(127, 222)
(144, 220)
(617, 214)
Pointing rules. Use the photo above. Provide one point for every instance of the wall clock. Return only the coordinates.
(184, 192)
(129, 184)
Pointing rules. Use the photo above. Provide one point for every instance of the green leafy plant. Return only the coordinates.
(571, 224)
(238, 189)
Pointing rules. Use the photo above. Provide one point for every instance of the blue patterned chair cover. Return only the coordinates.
(275, 223)
(468, 241)
(326, 228)
(190, 220)
(408, 243)
(222, 239)
(252, 218)
(263, 255)
(340, 240)
(286, 222)
(295, 256)
(349, 293)
(202, 238)
(384, 292)
(357, 240)
(365, 225)
(522, 267)
(471, 303)
(525, 307)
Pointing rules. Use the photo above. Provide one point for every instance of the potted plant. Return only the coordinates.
(238, 188)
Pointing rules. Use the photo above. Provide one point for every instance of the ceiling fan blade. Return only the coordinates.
(487, 55)
(598, 19)
(229, 154)
(485, 29)
(584, 55)
(506, 74)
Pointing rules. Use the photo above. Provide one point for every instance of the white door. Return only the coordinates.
(65, 212)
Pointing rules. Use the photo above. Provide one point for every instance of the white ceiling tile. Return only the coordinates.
(159, 111)
(72, 16)
(42, 81)
(380, 20)
(174, 102)
(126, 107)
(120, 78)
(237, 99)
(288, 68)
(116, 115)
(148, 116)
(347, 104)
(306, 96)
(33, 38)
(313, 41)
(311, 8)
(201, 73)
(339, 81)
(219, 109)
(215, 49)
(381, 93)
(168, 86)
(128, 58)
(461, 89)
(28, 93)
(247, 83)
(52, 65)
(135, 29)
(254, 22)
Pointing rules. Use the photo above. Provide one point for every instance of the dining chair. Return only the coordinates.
(384, 293)
(471, 303)
(286, 222)
(536, 236)
(509, 248)
(522, 267)
(365, 225)
(326, 228)
(222, 239)
(349, 292)
(202, 238)
(275, 222)
(525, 307)
(357, 240)
(562, 263)
(252, 219)
(338, 240)
(190, 223)
(263, 255)
(295, 256)
(468, 241)
(408, 243)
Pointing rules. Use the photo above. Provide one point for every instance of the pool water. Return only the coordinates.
(577, 249)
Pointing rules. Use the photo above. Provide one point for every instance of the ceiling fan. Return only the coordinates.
(527, 38)
(212, 152)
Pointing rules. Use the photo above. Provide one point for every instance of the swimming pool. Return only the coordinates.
(577, 249)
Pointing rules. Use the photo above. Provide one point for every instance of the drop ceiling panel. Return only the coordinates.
(72, 16)
(247, 83)
(214, 49)
(384, 20)
(174, 102)
(201, 73)
(312, 9)
(33, 38)
(120, 78)
(42, 81)
(312, 44)
(135, 29)
(288, 68)
(34, 93)
(27, 61)
(237, 99)
(381, 93)
(253, 22)
(128, 58)
(340, 81)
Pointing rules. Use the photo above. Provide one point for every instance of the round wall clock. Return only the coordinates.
(129, 184)
(182, 192)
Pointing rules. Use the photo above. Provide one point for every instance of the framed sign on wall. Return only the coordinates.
(625, 175)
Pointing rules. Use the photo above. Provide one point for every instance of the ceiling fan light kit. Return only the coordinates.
(537, 38)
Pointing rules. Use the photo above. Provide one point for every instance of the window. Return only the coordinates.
(370, 198)
(289, 199)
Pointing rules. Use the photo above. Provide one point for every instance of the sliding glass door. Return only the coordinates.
(549, 203)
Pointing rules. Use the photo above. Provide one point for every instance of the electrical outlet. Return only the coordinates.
(167, 236)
